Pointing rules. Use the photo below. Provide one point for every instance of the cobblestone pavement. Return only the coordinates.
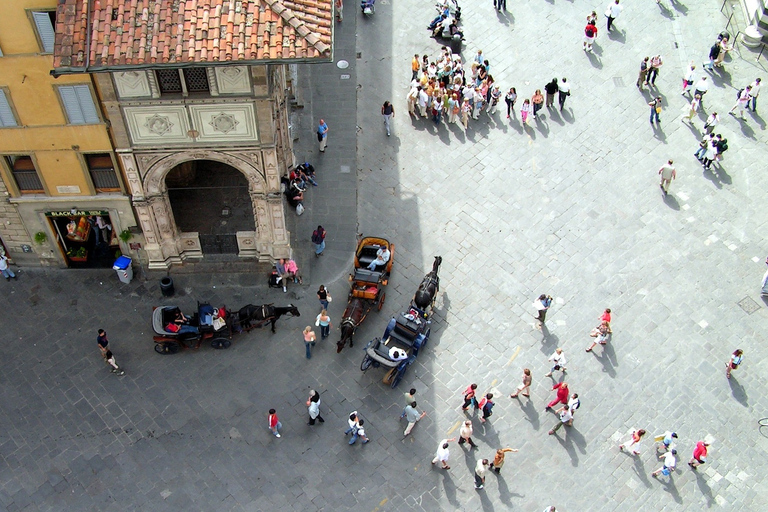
(570, 207)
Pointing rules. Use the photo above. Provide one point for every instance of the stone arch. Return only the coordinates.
(154, 180)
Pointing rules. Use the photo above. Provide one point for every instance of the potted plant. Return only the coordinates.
(40, 237)
(125, 235)
(78, 255)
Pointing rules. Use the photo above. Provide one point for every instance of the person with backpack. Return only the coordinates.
(721, 146)
(469, 397)
(486, 405)
(590, 33)
(742, 101)
(735, 360)
(542, 305)
(318, 238)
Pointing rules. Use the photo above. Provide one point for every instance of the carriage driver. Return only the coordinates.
(397, 354)
(382, 257)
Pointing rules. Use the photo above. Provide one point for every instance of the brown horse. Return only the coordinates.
(430, 285)
(266, 313)
(357, 310)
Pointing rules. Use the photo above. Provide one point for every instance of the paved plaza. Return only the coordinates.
(569, 206)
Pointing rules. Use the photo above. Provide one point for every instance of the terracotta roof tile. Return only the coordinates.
(135, 33)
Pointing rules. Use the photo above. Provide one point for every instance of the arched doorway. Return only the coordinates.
(212, 199)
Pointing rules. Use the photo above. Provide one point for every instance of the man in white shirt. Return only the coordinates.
(612, 12)
(423, 100)
(564, 90)
(397, 354)
(753, 93)
(382, 257)
(5, 269)
(701, 88)
(558, 361)
(480, 468)
(565, 417)
(669, 464)
(667, 173)
(443, 453)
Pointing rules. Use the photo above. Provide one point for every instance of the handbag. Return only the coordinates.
(299, 209)
(319, 137)
(330, 299)
(658, 110)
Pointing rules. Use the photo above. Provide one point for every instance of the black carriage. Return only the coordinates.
(207, 324)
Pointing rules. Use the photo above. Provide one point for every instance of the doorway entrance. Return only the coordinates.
(212, 199)
(86, 238)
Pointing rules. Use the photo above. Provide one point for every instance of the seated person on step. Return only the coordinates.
(382, 257)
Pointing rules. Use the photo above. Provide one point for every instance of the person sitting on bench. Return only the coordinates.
(382, 257)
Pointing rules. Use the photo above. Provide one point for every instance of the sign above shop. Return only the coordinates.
(76, 213)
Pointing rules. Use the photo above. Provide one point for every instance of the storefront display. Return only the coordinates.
(85, 237)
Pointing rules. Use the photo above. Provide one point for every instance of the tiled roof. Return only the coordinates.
(140, 33)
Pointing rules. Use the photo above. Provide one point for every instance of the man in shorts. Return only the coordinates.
(699, 454)
(669, 464)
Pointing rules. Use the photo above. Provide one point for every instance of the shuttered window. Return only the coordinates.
(6, 113)
(45, 21)
(25, 174)
(102, 172)
(78, 103)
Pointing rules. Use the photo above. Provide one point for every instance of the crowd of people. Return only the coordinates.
(445, 92)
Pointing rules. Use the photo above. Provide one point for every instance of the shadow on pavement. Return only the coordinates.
(681, 8)
(639, 469)
(607, 358)
(620, 36)
(595, 60)
(669, 486)
(450, 488)
(532, 416)
(504, 493)
(738, 392)
(718, 176)
(670, 201)
(701, 481)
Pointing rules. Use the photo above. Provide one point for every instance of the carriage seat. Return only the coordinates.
(383, 346)
(363, 275)
(404, 332)
(367, 254)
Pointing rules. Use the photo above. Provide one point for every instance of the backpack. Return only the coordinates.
(547, 302)
(738, 94)
(316, 237)
(589, 32)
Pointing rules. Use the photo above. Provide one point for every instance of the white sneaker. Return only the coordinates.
(284, 289)
(277, 435)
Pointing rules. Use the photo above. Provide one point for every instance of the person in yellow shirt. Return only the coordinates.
(415, 65)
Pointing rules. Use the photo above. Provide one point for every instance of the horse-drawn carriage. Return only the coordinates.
(215, 324)
(406, 333)
(373, 265)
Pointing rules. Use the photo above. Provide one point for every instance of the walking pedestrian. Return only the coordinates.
(612, 12)
(637, 435)
(500, 5)
(542, 305)
(110, 359)
(564, 417)
(525, 387)
(712, 121)
(486, 406)
(102, 342)
(754, 92)
(666, 440)
(274, 423)
(558, 361)
(642, 76)
(318, 238)
(710, 151)
(655, 105)
(5, 269)
(538, 102)
(700, 89)
(309, 340)
(667, 173)
(733, 363)
(340, 10)
(469, 397)
(510, 99)
(564, 90)
(606, 317)
(714, 53)
(359, 432)
(313, 406)
(742, 101)
(600, 333)
(412, 416)
(415, 66)
(322, 135)
(324, 322)
(574, 403)
(388, 112)
(409, 398)
(693, 107)
(590, 33)
(724, 49)
(465, 434)
(324, 297)
(689, 77)
(551, 88)
(703, 145)
(653, 70)
(561, 396)
(352, 421)
(669, 464)
(526, 110)
(699, 454)
(443, 453)
(498, 459)
(480, 469)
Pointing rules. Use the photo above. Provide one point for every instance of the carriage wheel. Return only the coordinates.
(220, 343)
(399, 375)
(381, 300)
(367, 361)
(166, 348)
(426, 337)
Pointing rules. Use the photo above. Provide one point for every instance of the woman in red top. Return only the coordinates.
(636, 436)
(469, 397)
(274, 423)
(562, 395)
(699, 454)
(606, 317)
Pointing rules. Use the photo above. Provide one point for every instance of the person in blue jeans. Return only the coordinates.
(359, 432)
(324, 321)
(655, 109)
(309, 340)
(352, 422)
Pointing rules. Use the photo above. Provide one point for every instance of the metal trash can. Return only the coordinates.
(123, 268)
(166, 286)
